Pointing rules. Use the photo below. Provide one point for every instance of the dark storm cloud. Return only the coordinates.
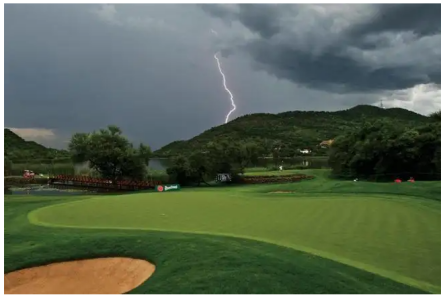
(67, 70)
(150, 68)
(327, 70)
(218, 10)
(346, 60)
(261, 18)
(422, 19)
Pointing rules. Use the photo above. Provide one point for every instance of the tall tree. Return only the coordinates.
(384, 149)
(8, 165)
(221, 156)
(436, 116)
(110, 154)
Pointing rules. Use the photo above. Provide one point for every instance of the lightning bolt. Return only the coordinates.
(226, 88)
(224, 83)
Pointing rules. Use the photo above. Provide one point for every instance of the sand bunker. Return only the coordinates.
(94, 276)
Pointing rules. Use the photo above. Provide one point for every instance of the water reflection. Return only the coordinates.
(45, 190)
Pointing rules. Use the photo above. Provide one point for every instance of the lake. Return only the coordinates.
(312, 163)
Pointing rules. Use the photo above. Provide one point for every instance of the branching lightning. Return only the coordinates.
(224, 84)
(226, 88)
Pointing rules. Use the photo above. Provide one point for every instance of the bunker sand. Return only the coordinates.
(93, 276)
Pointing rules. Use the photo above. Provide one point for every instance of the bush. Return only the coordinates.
(265, 179)
(380, 148)
(44, 168)
(19, 181)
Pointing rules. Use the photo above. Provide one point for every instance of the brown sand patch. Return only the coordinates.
(94, 276)
(280, 192)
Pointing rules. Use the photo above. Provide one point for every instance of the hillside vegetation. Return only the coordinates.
(294, 130)
(19, 150)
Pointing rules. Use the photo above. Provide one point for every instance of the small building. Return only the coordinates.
(223, 177)
(326, 143)
(304, 151)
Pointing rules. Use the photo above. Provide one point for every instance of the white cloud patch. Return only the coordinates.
(46, 137)
(401, 49)
(35, 134)
(423, 99)
(108, 13)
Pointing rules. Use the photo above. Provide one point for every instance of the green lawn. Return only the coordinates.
(371, 238)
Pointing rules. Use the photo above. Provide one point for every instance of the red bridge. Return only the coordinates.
(100, 183)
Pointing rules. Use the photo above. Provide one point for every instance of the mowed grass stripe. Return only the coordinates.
(427, 241)
(341, 229)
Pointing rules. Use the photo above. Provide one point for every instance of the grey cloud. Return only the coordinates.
(218, 10)
(326, 71)
(297, 54)
(422, 19)
(68, 71)
(150, 68)
(261, 18)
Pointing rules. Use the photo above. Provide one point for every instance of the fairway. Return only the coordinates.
(395, 237)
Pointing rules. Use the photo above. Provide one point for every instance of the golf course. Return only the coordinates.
(314, 236)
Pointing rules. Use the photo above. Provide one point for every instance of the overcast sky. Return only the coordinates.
(150, 69)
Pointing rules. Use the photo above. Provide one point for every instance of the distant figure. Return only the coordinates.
(356, 179)
(397, 180)
(411, 179)
(281, 167)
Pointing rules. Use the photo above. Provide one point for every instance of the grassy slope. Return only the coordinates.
(375, 233)
(323, 184)
(20, 150)
(194, 263)
(295, 129)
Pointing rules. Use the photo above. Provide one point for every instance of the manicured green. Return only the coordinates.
(246, 240)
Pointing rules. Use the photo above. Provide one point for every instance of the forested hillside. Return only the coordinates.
(19, 150)
(294, 130)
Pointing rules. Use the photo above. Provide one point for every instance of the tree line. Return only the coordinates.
(294, 130)
(374, 148)
(384, 150)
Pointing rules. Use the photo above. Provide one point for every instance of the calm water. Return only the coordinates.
(45, 190)
(312, 163)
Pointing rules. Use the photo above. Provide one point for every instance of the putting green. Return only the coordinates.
(390, 236)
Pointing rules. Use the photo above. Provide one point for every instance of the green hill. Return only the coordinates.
(19, 150)
(292, 130)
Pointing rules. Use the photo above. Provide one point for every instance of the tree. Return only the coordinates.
(436, 116)
(180, 170)
(384, 149)
(110, 154)
(227, 156)
(188, 170)
(294, 130)
(198, 163)
(8, 165)
(221, 156)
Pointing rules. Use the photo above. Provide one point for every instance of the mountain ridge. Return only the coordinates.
(295, 129)
(20, 150)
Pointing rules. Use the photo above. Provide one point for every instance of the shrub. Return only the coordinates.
(274, 179)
